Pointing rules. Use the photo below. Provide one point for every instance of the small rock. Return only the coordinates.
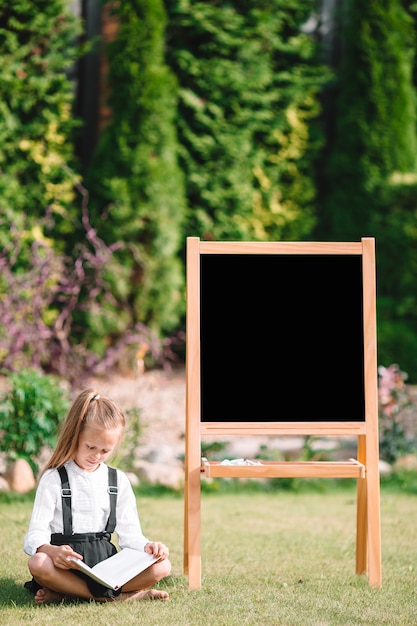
(20, 476)
(384, 468)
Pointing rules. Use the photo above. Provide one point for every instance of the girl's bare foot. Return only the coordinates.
(47, 596)
(148, 594)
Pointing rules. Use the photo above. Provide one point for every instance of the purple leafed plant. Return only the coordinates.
(42, 290)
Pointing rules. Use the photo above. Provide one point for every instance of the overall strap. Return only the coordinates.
(66, 501)
(113, 491)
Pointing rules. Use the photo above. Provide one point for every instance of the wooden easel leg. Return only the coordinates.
(374, 522)
(186, 549)
(368, 527)
(193, 525)
(361, 514)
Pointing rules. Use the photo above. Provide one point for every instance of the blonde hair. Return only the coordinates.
(88, 409)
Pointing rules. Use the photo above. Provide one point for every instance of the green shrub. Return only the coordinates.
(397, 340)
(30, 413)
(39, 49)
(401, 480)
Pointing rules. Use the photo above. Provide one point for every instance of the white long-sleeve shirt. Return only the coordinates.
(90, 507)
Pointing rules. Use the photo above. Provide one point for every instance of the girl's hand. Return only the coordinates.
(157, 549)
(62, 555)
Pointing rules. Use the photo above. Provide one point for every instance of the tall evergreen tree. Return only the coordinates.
(38, 47)
(372, 131)
(135, 185)
(248, 84)
(367, 174)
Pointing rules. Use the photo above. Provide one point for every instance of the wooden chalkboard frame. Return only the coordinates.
(365, 468)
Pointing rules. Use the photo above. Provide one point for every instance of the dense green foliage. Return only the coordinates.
(58, 311)
(248, 81)
(373, 117)
(370, 158)
(30, 413)
(37, 48)
(135, 185)
(223, 125)
(395, 226)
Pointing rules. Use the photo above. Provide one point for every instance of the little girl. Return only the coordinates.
(79, 502)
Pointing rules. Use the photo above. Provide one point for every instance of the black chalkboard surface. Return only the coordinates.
(281, 338)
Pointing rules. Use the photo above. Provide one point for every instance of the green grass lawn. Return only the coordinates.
(277, 558)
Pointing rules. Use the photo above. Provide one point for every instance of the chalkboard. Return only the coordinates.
(281, 338)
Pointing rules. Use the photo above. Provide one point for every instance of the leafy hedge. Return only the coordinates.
(38, 50)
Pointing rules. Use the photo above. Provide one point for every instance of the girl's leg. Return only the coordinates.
(57, 583)
(138, 587)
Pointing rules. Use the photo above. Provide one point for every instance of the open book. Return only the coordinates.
(119, 568)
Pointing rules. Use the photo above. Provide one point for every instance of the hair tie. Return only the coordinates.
(96, 397)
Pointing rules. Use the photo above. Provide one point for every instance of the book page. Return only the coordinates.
(119, 568)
